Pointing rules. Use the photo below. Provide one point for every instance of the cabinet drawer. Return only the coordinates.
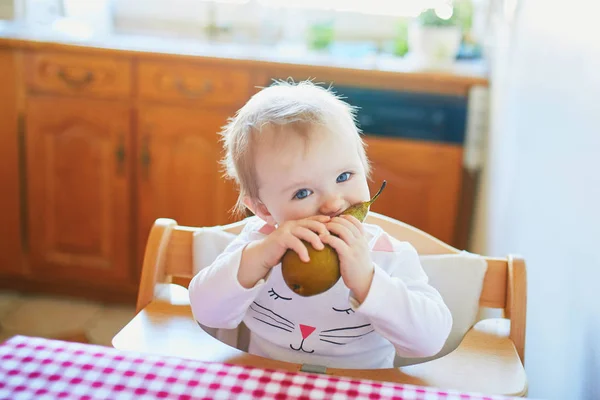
(189, 82)
(78, 74)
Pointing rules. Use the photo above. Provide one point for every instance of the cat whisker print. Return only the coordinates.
(336, 336)
(269, 317)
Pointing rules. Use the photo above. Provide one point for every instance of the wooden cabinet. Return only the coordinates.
(104, 146)
(189, 82)
(77, 74)
(79, 190)
(179, 175)
(10, 168)
(423, 183)
(95, 144)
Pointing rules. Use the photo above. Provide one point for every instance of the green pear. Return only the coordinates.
(323, 270)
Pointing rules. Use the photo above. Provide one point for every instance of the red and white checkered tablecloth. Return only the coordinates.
(36, 368)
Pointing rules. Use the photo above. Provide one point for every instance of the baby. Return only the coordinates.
(299, 161)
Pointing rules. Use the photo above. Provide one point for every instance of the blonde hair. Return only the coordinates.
(283, 104)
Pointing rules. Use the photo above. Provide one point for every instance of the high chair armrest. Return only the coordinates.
(169, 329)
(486, 361)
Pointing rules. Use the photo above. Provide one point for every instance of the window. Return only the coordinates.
(398, 8)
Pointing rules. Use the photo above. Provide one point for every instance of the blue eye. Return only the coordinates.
(343, 177)
(302, 194)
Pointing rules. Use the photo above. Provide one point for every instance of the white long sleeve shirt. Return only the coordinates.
(401, 314)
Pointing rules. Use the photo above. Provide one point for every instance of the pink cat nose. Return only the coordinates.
(306, 330)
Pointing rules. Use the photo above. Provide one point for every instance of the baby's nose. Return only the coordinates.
(332, 206)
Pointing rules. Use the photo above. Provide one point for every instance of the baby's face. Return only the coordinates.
(299, 178)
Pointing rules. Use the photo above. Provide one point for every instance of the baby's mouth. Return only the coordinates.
(341, 213)
(338, 213)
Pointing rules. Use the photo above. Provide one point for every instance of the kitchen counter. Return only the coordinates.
(13, 34)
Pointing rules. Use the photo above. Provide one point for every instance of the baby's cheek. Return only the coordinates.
(361, 190)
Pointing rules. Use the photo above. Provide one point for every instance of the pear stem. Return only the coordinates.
(378, 192)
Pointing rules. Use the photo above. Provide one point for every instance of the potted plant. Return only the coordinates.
(435, 37)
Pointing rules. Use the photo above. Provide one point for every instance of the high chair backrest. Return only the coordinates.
(169, 259)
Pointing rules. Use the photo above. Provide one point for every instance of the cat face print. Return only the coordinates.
(323, 324)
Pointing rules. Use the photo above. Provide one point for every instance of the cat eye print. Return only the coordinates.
(347, 310)
(275, 296)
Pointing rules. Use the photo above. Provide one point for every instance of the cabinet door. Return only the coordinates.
(179, 172)
(10, 168)
(79, 183)
(423, 183)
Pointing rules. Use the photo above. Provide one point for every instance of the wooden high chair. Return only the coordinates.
(489, 360)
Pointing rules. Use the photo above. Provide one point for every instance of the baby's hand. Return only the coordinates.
(290, 234)
(352, 247)
(260, 256)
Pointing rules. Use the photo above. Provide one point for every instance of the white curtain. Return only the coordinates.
(499, 47)
(540, 196)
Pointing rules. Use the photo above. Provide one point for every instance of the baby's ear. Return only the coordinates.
(260, 210)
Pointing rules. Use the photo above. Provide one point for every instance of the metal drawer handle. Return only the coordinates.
(120, 155)
(145, 158)
(190, 92)
(76, 82)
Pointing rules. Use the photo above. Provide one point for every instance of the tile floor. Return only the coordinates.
(60, 318)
